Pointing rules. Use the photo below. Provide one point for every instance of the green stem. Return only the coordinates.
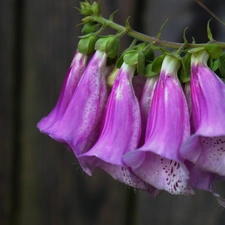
(146, 38)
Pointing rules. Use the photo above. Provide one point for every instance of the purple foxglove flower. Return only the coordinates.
(70, 83)
(145, 103)
(206, 146)
(120, 132)
(158, 161)
(80, 124)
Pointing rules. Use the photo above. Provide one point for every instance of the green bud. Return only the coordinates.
(96, 8)
(85, 8)
(87, 43)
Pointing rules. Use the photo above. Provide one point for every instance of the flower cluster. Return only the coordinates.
(158, 132)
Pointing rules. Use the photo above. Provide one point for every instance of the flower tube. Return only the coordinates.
(79, 126)
(206, 146)
(145, 103)
(120, 132)
(70, 83)
(158, 161)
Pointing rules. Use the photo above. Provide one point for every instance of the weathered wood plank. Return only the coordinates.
(53, 188)
(6, 109)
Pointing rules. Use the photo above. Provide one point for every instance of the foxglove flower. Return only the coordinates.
(120, 132)
(145, 103)
(70, 83)
(79, 126)
(158, 161)
(206, 146)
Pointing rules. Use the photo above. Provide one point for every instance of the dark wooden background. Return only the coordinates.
(41, 182)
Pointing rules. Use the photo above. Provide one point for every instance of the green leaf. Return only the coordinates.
(184, 71)
(160, 30)
(216, 64)
(131, 58)
(112, 15)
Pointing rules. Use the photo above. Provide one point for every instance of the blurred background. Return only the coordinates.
(41, 182)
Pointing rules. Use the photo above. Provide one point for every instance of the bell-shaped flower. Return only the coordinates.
(158, 161)
(70, 83)
(120, 133)
(206, 146)
(145, 103)
(79, 126)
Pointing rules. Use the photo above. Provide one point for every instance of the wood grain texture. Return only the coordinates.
(7, 37)
(41, 183)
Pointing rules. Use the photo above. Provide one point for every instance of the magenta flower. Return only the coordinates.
(206, 146)
(70, 83)
(80, 124)
(120, 132)
(158, 161)
(145, 103)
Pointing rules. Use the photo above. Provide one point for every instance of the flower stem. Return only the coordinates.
(146, 38)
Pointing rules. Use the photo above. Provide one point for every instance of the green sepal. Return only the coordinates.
(214, 50)
(90, 28)
(109, 44)
(215, 64)
(135, 57)
(219, 66)
(148, 71)
(148, 52)
(157, 64)
(222, 65)
(193, 50)
(184, 71)
(87, 43)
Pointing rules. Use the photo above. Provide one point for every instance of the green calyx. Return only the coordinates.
(87, 44)
(109, 44)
